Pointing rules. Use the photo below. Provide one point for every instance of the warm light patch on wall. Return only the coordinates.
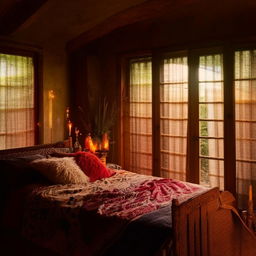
(51, 97)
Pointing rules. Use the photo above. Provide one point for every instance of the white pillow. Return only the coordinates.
(63, 170)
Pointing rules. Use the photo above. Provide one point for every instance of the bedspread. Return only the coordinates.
(88, 219)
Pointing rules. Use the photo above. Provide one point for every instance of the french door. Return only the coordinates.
(186, 112)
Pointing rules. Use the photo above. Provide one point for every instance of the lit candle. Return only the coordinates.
(250, 192)
(69, 128)
(51, 97)
(105, 142)
(250, 208)
(92, 146)
(87, 142)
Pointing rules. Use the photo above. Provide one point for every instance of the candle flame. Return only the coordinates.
(105, 142)
(69, 128)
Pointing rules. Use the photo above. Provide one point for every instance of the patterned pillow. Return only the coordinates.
(60, 170)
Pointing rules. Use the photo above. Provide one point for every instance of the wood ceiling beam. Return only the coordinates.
(13, 13)
(145, 11)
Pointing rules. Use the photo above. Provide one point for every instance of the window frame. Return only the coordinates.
(13, 48)
(228, 51)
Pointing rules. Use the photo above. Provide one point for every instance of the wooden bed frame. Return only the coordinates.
(209, 225)
(206, 225)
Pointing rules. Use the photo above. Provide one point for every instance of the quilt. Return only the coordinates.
(88, 219)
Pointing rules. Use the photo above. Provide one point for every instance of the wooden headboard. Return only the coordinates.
(43, 149)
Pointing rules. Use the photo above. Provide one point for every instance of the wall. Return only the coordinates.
(205, 26)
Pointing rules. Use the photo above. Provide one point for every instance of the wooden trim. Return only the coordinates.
(121, 70)
(9, 46)
(38, 97)
(14, 48)
(126, 104)
(17, 13)
(229, 122)
(140, 12)
(192, 174)
(156, 62)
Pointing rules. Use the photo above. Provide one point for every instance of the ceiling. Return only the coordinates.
(56, 20)
(76, 22)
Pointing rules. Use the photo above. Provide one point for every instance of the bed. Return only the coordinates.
(122, 214)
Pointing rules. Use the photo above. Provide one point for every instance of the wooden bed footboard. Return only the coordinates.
(207, 225)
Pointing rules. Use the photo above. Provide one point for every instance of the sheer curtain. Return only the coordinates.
(16, 101)
(138, 136)
(245, 109)
(211, 115)
(173, 117)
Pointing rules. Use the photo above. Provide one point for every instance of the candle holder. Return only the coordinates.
(102, 155)
(77, 146)
(70, 142)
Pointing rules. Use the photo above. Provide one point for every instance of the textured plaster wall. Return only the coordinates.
(50, 28)
(55, 78)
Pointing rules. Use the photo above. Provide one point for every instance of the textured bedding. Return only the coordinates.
(102, 217)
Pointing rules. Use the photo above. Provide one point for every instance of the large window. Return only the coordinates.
(17, 107)
(139, 127)
(192, 105)
(173, 117)
(245, 110)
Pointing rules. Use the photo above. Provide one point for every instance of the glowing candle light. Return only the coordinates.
(69, 128)
(105, 142)
(250, 192)
(51, 97)
(92, 146)
(87, 142)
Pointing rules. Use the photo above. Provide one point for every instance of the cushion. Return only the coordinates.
(60, 170)
(92, 166)
(16, 173)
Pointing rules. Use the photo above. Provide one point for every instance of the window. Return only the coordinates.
(245, 110)
(139, 128)
(17, 106)
(211, 115)
(193, 95)
(173, 117)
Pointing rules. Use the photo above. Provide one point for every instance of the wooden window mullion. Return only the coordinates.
(229, 123)
(126, 117)
(193, 123)
(156, 114)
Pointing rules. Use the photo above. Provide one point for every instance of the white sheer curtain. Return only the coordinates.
(245, 99)
(211, 115)
(139, 134)
(173, 117)
(16, 101)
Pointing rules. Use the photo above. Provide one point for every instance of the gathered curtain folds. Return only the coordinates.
(173, 117)
(245, 113)
(17, 110)
(139, 135)
(174, 121)
(211, 120)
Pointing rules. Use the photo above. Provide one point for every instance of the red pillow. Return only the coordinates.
(92, 166)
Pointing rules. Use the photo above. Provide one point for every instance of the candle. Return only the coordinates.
(250, 202)
(51, 97)
(250, 192)
(92, 146)
(87, 142)
(69, 128)
(105, 142)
